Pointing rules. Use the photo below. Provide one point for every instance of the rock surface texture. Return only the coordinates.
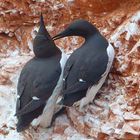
(115, 112)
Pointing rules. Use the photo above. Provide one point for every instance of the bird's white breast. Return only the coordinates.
(111, 54)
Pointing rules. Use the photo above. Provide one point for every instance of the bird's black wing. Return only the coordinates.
(21, 86)
(89, 72)
(41, 88)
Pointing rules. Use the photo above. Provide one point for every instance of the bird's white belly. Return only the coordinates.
(46, 117)
(91, 93)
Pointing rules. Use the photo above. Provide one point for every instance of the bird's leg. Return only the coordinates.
(76, 104)
(91, 93)
(59, 104)
(45, 118)
(57, 108)
(88, 99)
(36, 122)
(48, 114)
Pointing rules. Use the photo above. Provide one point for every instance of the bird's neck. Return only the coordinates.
(49, 52)
(96, 40)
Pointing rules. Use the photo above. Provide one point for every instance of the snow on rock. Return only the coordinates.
(131, 27)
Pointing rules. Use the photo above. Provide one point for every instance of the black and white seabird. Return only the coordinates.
(40, 82)
(88, 66)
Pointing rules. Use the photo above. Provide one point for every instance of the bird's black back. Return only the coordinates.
(38, 78)
(38, 75)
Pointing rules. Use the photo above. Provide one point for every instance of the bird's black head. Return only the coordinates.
(43, 45)
(78, 28)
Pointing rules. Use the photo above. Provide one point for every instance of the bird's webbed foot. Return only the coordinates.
(79, 106)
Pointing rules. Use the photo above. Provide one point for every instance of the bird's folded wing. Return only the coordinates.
(76, 87)
(22, 81)
(85, 79)
(31, 106)
(67, 68)
(41, 89)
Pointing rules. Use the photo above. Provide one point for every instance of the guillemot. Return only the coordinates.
(88, 66)
(40, 82)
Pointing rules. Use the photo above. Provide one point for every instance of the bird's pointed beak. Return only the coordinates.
(65, 33)
(61, 35)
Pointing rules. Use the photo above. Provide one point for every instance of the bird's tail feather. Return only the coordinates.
(25, 120)
(31, 106)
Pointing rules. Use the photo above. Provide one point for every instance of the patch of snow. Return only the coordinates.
(94, 121)
(104, 30)
(30, 44)
(117, 44)
(72, 134)
(136, 17)
(58, 6)
(131, 27)
(12, 136)
(115, 108)
(7, 111)
(130, 116)
(129, 129)
(78, 137)
(122, 68)
(70, 0)
(14, 53)
(34, 32)
(107, 128)
(49, 27)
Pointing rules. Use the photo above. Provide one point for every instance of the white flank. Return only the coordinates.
(46, 117)
(91, 93)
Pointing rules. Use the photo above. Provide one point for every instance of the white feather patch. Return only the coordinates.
(35, 98)
(18, 96)
(81, 80)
